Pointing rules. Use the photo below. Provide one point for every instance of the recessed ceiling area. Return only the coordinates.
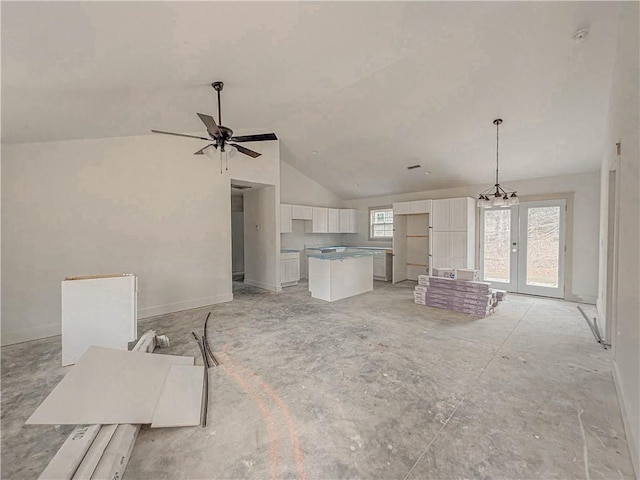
(355, 91)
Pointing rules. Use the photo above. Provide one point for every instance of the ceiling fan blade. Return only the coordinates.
(180, 135)
(210, 123)
(261, 137)
(201, 151)
(246, 151)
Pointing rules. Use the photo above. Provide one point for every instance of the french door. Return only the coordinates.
(522, 247)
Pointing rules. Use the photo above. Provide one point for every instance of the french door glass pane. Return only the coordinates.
(497, 237)
(543, 246)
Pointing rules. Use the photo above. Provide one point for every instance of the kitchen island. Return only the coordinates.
(336, 273)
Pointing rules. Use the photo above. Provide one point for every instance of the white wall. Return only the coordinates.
(141, 204)
(581, 261)
(623, 125)
(237, 234)
(298, 189)
(261, 238)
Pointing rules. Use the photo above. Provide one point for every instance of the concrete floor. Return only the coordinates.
(372, 386)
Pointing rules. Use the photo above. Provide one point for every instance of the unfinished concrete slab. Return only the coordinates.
(372, 386)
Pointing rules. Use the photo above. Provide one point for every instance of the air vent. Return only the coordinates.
(413, 166)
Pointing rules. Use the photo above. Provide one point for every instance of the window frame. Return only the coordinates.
(371, 223)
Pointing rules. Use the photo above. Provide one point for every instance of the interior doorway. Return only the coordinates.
(255, 245)
(522, 247)
(237, 232)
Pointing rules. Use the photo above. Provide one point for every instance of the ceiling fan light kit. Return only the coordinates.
(224, 142)
(497, 196)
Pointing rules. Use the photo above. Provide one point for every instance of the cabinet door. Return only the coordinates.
(285, 218)
(402, 208)
(379, 266)
(421, 206)
(441, 262)
(441, 244)
(319, 220)
(283, 271)
(458, 214)
(295, 270)
(459, 245)
(292, 269)
(301, 212)
(333, 215)
(440, 211)
(347, 220)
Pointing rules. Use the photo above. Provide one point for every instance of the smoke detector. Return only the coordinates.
(580, 36)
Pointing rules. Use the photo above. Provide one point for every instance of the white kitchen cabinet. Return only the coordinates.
(453, 233)
(453, 214)
(301, 212)
(412, 208)
(402, 208)
(347, 220)
(382, 267)
(285, 218)
(440, 214)
(441, 244)
(289, 268)
(459, 211)
(333, 220)
(319, 221)
(420, 206)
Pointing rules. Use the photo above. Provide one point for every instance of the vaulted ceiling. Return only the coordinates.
(356, 91)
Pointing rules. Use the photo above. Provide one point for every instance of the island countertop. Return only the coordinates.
(341, 252)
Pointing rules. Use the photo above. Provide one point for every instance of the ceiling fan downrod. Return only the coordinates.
(218, 86)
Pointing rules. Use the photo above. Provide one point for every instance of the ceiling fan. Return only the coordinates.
(222, 136)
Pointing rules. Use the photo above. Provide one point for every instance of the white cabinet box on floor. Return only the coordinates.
(98, 310)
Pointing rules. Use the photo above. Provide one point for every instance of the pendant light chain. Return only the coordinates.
(501, 197)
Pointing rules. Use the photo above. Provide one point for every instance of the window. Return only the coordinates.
(380, 223)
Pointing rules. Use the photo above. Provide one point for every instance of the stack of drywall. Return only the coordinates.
(474, 298)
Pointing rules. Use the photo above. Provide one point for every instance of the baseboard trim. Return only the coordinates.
(264, 286)
(632, 443)
(588, 299)
(28, 334)
(186, 305)
(53, 329)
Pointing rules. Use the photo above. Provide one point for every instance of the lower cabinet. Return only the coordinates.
(289, 268)
(382, 267)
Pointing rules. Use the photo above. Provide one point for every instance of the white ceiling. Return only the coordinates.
(355, 91)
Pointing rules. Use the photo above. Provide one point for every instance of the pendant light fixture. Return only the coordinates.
(500, 197)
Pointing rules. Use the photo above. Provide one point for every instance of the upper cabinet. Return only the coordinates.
(323, 219)
(453, 236)
(285, 218)
(301, 212)
(412, 208)
(453, 214)
(333, 220)
(348, 220)
(319, 220)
